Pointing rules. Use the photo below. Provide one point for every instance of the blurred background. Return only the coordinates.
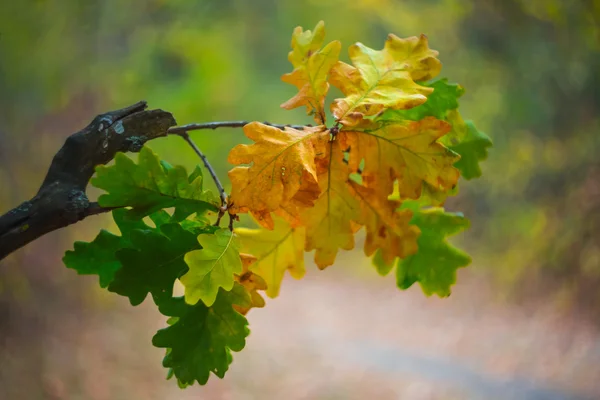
(523, 321)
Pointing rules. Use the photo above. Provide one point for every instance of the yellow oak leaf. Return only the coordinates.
(387, 227)
(407, 152)
(311, 69)
(330, 224)
(305, 43)
(276, 251)
(252, 283)
(382, 79)
(281, 163)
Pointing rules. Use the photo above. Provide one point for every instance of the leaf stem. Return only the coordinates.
(185, 136)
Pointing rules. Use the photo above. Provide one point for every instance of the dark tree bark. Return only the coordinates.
(61, 199)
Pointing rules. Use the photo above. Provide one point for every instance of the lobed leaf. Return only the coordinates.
(311, 69)
(472, 150)
(331, 222)
(98, 257)
(282, 165)
(382, 79)
(434, 265)
(212, 267)
(150, 186)
(201, 338)
(406, 152)
(387, 228)
(276, 251)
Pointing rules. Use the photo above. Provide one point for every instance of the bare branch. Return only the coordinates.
(226, 124)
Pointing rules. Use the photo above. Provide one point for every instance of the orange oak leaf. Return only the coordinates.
(407, 152)
(252, 283)
(383, 79)
(311, 69)
(275, 251)
(281, 163)
(387, 227)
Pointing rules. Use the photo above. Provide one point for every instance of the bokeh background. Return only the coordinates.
(523, 321)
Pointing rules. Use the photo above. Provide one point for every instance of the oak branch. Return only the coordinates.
(61, 199)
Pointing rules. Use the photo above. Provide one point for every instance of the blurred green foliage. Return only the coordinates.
(531, 70)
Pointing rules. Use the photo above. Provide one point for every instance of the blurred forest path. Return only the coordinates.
(372, 341)
(333, 335)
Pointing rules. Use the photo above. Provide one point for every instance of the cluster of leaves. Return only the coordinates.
(394, 152)
(148, 258)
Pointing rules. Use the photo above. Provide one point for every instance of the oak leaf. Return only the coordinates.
(150, 186)
(388, 229)
(382, 79)
(332, 222)
(98, 256)
(252, 283)
(200, 338)
(311, 69)
(276, 251)
(212, 267)
(408, 152)
(434, 265)
(472, 148)
(282, 163)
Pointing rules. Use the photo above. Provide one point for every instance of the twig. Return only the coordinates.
(232, 219)
(95, 209)
(226, 124)
(183, 132)
(185, 136)
(61, 199)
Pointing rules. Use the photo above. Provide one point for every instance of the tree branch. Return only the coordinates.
(61, 199)
(226, 124)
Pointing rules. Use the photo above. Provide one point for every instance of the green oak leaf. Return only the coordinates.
(472, 150)
(200, 340)
(185, 209)
(443, 99)
(435, 263)
(160, 218)
(212, 267)
(98, 257)
(150, 186)
(154, 263)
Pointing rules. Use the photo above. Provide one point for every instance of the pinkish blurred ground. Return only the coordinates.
(333, 335)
